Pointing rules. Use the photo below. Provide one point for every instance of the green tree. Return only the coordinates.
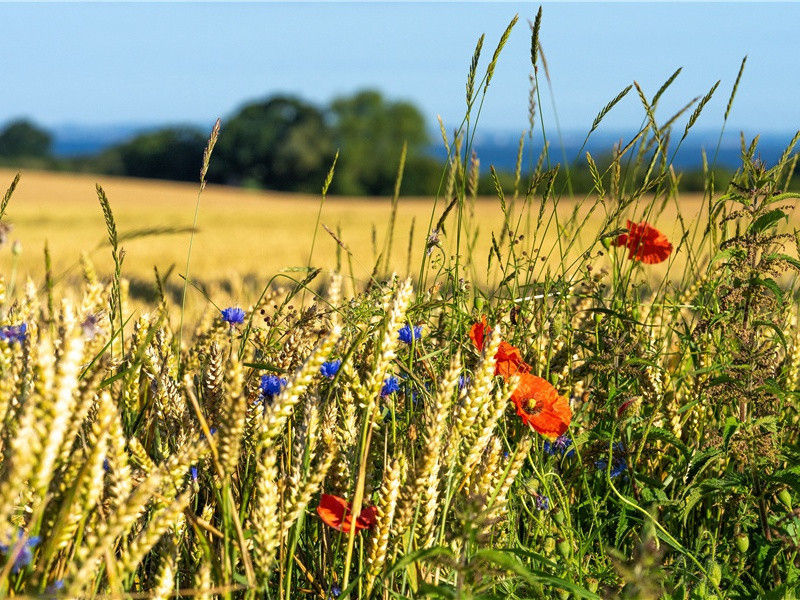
(280, 143)
(174, 153)
(370, 132)
(21, 138)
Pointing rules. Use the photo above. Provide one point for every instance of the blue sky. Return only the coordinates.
(155, 63)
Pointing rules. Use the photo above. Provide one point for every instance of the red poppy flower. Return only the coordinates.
(477, 333)
(645, 243)
(336, 512)
(540, 406)
(508, 359)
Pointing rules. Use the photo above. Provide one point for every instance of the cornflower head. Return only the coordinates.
(390, 385)
(14, 333)
(233, 315)
(559, 446)
(271, 386)
(542, 502)
(22, 550)
(408, 334)
(330, 368)
(618, 463)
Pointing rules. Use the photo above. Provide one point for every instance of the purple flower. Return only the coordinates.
(271, 386)
(390, 385)
(463, 381)
(233, 315)
(559, 446)
(407, 334)
(193, 471)
(618, 463)
(14, 333)
(330, 368)
(542, 502)
(24, 552)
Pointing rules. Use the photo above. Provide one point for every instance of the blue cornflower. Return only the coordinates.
(55, 587)
(618, 463)
(212, 431)
(542, 502)
(408, 334)
(390, 385)
(463, 381)
(271, 386)
(559, 446)
(14, 333)
(330, 368)
(193, 471)
(336, 591)
(24, 554)
(233, 315)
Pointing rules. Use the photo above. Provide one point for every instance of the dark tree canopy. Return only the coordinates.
(370, 132)
(21, 138)
(174, 153)
(281, 143)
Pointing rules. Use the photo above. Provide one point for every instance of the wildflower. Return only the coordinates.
(90, 326)
(559, 446)
(233, 315)
(14, 333)
(211, 430)
(508, 359)
(542, 502)
(55, 587)
(540, 406)
(193, 471)
(408, 334)
(645, 243)
(330, 368)
(336, 591)
(463, 381)
(390, 385)
(271, 386)
(618, 463)
(22, 548)
(335, 512)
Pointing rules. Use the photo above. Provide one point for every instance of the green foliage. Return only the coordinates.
(281, 143)
(174, 153)
(23, 139)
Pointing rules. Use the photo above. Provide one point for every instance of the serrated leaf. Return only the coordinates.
(767, 220)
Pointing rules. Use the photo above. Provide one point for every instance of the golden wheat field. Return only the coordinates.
(245, 233)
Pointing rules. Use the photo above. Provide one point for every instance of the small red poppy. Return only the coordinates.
(336, 512)
(477, 333)
(645, 243)
(539, 405)
(508, 359)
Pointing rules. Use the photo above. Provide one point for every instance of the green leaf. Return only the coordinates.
(511, 563)
(767, 220)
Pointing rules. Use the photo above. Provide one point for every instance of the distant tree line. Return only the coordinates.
(286, 143)
(279, 143)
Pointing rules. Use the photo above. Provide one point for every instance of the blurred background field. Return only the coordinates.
(248, 234)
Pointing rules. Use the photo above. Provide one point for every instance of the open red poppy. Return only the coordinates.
(539, 405)
(645, 243)
(336, 512)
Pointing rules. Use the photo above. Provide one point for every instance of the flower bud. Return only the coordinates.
(563, 548)
(786, 498)
(742, 542)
